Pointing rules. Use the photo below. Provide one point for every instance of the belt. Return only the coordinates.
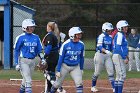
(28, 58)
(71, 65)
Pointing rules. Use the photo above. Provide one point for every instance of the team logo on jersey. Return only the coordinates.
(68, 48)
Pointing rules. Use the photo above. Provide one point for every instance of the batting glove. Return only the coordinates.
(57, 74)
(108, 52)
(17, 67)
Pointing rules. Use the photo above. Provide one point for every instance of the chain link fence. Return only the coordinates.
(89, 17)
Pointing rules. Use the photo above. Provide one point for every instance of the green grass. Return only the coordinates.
(7, 74)
(89, 45)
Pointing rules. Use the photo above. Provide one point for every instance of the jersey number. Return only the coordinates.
(73, 58)
(32, 49)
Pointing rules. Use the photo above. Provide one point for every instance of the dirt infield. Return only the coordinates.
(131, 86)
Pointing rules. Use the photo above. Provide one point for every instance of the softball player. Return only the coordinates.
(103, 56)
(133, 43)
(71, 60)
(120, 52)
(51, 46)
(27, 46)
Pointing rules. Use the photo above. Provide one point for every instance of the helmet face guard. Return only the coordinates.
(26, 23)
(107, 26)
(121, 24)
(73, 31)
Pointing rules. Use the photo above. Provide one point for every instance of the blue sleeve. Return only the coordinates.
(82, 63)
(58, 68)
(16, 55)
(61, 58)
(47, 49)
(17, 46)
(82, 59)
(125, 53)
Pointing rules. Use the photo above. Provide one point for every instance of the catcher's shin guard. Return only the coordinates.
(50, 79)
(61, 90)
(50, 76)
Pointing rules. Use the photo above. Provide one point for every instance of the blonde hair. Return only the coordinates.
(54, 27)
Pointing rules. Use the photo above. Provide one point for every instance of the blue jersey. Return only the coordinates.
(72, 54)
(133, 40)
(120, 45)
(104, 41)
(27, 46)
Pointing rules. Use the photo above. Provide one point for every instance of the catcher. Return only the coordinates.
(51, 43)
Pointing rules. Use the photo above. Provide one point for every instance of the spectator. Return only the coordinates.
(133, 40)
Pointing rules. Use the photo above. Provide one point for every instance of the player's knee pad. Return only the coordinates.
(94, 77)
(50, 76)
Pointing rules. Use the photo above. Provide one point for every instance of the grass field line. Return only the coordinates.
(126, 89)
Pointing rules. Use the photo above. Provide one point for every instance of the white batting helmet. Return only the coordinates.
(26, 23)
(73, 31)
(107, 26)
(121, 23)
